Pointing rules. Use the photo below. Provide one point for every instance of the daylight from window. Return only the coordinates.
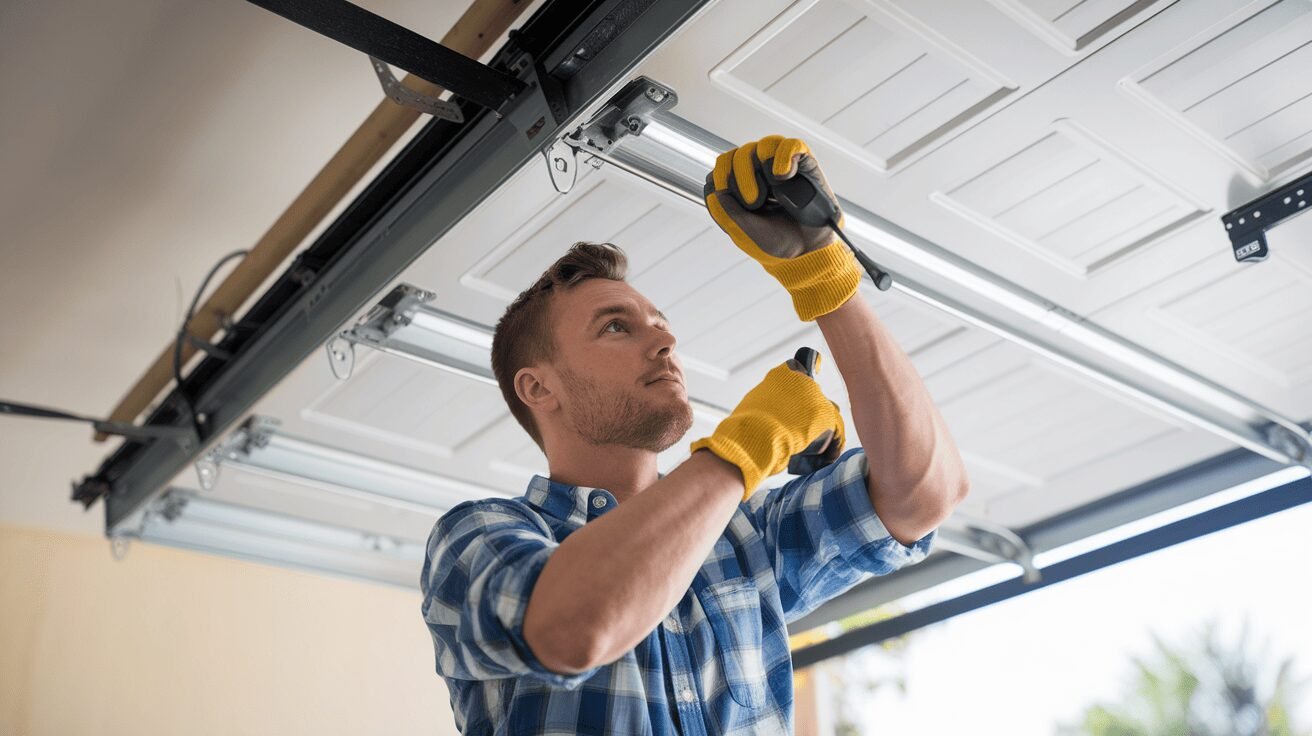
(1212, 637)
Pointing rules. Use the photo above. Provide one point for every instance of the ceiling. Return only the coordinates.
(1083, 151)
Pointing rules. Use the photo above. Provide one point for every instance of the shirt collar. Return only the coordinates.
(575, 505)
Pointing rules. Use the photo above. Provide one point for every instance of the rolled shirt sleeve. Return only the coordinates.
(482, 561)
(823, 534)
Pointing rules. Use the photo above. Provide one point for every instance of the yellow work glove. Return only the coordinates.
(816, 267)
(785, 414)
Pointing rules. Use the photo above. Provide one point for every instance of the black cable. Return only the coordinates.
(182, 335)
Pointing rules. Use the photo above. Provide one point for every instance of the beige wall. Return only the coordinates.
(168, 641)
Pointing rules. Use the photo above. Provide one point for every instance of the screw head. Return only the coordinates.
(655, 94)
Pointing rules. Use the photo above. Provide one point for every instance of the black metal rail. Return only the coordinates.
(440, 176)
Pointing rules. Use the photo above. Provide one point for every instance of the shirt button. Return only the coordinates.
(598, 502)
(687, 695)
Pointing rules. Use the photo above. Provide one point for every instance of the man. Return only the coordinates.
(610, 599)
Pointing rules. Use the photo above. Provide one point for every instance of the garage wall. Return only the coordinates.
(170, 641)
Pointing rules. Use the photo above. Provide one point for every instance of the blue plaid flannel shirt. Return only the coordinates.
(719, 663)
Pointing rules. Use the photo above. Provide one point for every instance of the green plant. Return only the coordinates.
(1209, 687)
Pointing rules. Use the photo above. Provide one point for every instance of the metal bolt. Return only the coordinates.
(655, 94)
(561, 164)
(633, 124)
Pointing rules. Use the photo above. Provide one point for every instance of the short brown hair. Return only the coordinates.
(523, 334)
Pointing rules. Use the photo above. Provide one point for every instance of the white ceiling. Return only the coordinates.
(1082, 150)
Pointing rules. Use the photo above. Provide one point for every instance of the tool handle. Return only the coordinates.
(801, 197)
(822, 451)
(810, 360)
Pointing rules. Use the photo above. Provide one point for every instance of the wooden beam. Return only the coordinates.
(472, 35)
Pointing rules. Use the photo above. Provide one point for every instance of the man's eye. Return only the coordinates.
(612, 322)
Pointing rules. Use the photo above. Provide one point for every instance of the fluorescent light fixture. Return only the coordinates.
(402, 324)
(662, 135)
(258, 445)
(675, 155)
(182, 518)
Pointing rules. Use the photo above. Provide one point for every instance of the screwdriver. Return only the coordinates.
(822, 451)
(801, 198)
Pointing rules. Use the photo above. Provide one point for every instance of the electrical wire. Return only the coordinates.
(182, 335)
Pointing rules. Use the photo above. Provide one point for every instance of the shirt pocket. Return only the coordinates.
(733, 608)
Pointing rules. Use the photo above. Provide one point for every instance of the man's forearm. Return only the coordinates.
(613, 580)
(916, 473)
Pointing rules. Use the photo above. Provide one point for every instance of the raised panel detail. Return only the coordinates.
(1026, 423)
(407, 403)
(1071, 200)
(864, 77)
(1071, 25)
(601, 209)
(1255, 316)
(1242, 87)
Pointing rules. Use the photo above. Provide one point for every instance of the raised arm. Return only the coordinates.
(916, 475)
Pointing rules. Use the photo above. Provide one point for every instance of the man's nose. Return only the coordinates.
(664, 342)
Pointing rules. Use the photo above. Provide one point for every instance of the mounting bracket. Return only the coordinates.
(989, 542)
(627, 113)
(1247, 225)
(406, 97)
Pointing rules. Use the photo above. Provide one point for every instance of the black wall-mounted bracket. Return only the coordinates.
(385, 41)
(1247, 225)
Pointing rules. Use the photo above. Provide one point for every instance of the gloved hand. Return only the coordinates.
(779, 418)
(816, 267)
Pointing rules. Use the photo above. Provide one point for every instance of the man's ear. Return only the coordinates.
(531, 389)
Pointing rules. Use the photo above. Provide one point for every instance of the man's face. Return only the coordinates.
(622, 384)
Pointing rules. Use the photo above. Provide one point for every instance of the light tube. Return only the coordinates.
(271, 451)
(676, 155)
(246, 533)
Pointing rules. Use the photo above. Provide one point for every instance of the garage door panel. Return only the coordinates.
(1241, 86)
(1081, 150)
(877, 83)
(1243, 325)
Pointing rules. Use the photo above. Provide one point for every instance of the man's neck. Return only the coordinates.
(624, 471)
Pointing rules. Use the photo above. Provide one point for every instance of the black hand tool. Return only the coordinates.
(802, 198)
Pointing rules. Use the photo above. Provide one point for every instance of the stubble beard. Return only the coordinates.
(610, 418)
